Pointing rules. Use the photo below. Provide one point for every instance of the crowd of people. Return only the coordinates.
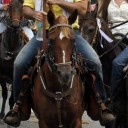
(115, 12)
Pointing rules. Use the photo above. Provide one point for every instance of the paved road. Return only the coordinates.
(33, 122)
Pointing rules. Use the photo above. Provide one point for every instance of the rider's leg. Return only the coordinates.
(23, 62)
(93, 62)
(117, 74)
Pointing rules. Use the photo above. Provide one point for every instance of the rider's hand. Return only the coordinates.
(39, 15)
(4, 7)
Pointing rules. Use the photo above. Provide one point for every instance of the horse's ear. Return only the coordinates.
(72, 18)
(51, 18)
(94, 13)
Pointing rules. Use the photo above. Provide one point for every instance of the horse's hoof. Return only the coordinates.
(12, 118)
(2, 115)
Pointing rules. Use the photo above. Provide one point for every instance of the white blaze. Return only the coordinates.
(61, 36)
(63, 56)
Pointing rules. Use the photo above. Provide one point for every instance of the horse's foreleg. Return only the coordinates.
(11, 100)
(4, 95)
(42, 124)
(77, 123)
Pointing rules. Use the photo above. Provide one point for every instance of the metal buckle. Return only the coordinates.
(58, 96)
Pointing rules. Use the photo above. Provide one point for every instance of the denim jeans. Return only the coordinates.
(92, 61)
(117, 66)
(29, 51)
(23, 62)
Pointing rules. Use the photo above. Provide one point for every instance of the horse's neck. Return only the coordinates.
(11, 39)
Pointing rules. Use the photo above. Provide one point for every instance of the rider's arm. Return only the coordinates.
(31, 14)
(81, 6)
(3, 7)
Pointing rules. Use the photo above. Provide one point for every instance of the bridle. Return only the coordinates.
(59, 64)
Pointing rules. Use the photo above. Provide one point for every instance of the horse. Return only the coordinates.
(107, 47)
(11, 42)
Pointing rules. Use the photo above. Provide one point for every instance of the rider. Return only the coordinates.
(3, 8)
(29, 51)
(116, 11)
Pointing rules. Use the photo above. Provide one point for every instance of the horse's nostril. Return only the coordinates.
(15, 24)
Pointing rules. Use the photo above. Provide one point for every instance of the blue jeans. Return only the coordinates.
(23, 62)
(26, 55)
(117, 66)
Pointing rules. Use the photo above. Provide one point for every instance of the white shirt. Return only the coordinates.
(118, 14)
(38, 5)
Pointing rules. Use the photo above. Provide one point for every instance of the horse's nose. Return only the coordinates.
(15, 24)
(64, 77)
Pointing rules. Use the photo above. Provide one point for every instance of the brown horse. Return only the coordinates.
(10, 45)
(60, 89)
(107, 51)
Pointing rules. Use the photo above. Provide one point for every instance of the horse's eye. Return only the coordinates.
(91, 30)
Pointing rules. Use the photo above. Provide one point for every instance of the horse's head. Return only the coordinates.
(15, 12)
(88, 25)
(61, 37)
(96, 31)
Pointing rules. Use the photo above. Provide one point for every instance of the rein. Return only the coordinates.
(113, 46)
(118, 24)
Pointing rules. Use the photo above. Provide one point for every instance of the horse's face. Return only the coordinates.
(61, 36)
(88, 25)
(15, 12)
(88, 29)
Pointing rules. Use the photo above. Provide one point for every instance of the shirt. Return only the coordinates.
(58, 10)
(117, 15)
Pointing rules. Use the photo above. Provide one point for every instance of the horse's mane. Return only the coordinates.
(66, 30)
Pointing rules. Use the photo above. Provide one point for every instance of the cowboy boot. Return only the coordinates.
(21, 110)
(106, 115)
